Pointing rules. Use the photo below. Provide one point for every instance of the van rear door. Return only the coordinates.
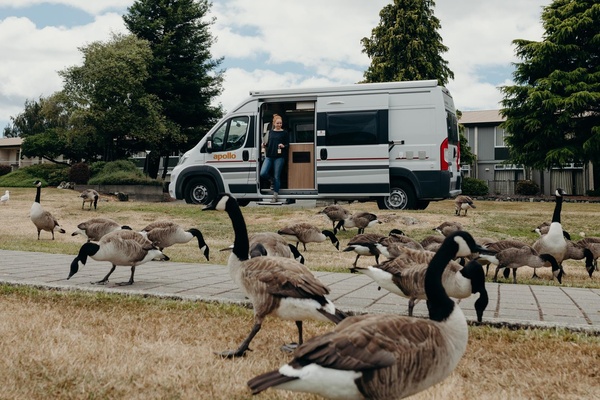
(352, 145)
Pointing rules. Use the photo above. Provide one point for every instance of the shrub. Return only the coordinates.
(474, 187)
(48, 174)
(121, 172)
(527, 188)
(593, 192)
(79, 173)
(5, 169)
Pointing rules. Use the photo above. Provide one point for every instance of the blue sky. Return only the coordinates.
(268, 44)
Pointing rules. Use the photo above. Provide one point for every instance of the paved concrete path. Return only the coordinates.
(515, 305)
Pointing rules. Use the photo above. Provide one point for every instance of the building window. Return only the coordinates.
(500, 137)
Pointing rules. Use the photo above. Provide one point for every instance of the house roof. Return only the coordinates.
(481, 117)
(11, 142)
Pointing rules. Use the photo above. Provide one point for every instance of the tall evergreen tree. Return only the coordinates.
(183, 73)
(406, 44)
(553, 111)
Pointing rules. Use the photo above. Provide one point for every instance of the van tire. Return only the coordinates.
(402, 197)
(200, 191)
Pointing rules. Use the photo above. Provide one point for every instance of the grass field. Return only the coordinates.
(71, 345)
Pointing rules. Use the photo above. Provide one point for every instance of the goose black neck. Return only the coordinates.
(38, 194)
(557, 209)
(440, 306)
(241, 245)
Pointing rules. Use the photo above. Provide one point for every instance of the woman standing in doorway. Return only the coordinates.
(276, 149)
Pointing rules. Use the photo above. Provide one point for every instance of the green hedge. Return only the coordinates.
(474, 187)
(122, 172)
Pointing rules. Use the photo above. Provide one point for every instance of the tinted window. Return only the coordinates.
(452, 127)
(354, 129)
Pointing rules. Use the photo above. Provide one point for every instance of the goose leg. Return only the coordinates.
(290, 347)
(514, 275)
(356, 260)
(241, 351)
(411, 305)
(104, 280)
(535, 276)
(130, 281)
(496, 274)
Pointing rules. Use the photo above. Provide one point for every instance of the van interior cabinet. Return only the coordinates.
(301, 166)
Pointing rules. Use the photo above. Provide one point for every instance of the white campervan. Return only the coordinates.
(396, 143)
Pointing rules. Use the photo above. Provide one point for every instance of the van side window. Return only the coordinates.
(231, 135)
(352, 129)
(452, 128)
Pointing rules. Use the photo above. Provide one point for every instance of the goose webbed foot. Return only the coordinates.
(233, 353)
(289, 347)
(535, 276)
(128, 283)
(101, 282)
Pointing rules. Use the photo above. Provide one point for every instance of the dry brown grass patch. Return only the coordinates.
(71, 345)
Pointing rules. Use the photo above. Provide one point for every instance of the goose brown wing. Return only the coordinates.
(369, 342)
(285, 278)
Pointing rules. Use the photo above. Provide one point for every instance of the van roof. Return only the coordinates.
(347, 88)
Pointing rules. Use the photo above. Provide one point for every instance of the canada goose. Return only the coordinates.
(588, 248)
(364, 244)
(273, 244)
(335, 213)
(448, 227)
(554, 242)
(165, 234)
(43, 220)
(5, 197)
(307, 233)
(432, 242)
(463, 203)
(516, 257)
(360, 220)
(89, 196)
(385, 356)
(93, 229)
(275, 285)
(544, 227)
(120, 247)
(405, 274)
(498, 246)
(393, 245)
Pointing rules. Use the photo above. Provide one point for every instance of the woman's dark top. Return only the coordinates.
(275, 138)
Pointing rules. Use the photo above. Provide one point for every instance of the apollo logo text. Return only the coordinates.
(226, 156)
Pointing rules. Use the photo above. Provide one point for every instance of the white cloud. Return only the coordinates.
(33, 56)
(269, 44)
(93, 7)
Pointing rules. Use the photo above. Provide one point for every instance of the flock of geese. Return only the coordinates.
(107, 240)
(384, 356)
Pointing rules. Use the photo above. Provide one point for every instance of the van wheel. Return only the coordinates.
(402, 197)
(200, 191)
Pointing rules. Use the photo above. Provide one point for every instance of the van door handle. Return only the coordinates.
(245, 155)
(323, 154)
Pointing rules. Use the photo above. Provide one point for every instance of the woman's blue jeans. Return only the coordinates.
(277, 165)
